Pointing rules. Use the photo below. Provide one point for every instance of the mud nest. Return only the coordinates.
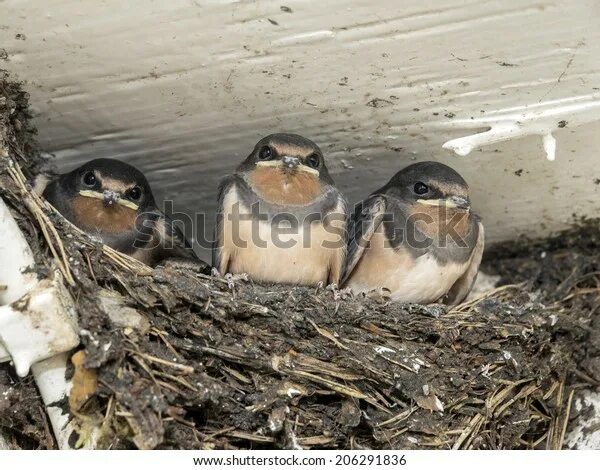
(171, 358)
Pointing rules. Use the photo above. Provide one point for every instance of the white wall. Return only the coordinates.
(184, 88)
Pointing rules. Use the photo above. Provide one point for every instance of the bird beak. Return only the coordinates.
(290, 163)
(458, 202)
(453, 202)
(110, 198)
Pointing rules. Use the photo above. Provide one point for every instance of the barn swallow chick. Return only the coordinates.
(416, 237)
(281, 219)
(112, 201)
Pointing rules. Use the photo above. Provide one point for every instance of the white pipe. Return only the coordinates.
(38, 326)
(54, 388)
(585, 434)
(4, 356)
(15, 257)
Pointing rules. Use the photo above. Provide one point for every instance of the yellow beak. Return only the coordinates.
(454, 202)
(113, 199)
(279, 164)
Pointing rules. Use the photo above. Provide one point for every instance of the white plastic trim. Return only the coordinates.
(586, 432)
(15, 257)
(38, 326)
(4, 356)
(537, 119)
(50, 379)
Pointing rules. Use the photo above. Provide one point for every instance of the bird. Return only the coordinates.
(280, 217)
(112, 201)
(416, 237)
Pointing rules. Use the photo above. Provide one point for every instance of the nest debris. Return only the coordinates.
(171, 358)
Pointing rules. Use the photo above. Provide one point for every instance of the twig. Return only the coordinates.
(185, 369)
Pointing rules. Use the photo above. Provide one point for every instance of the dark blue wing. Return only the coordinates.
(363, 223)
(218, 250)
(174, 244)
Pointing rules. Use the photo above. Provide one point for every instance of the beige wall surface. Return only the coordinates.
(184, 88)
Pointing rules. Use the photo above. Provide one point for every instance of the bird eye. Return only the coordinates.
(89, 179)
(313, 161)
(421, 188)
(265, 153)
(135, 193)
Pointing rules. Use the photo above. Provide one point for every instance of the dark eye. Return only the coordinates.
(313, 161)
(265, 153)
(421, 188)
(135, 193)
(89, 179)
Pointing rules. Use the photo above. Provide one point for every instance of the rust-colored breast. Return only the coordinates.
(277, 187)
(92, 215)
(431, 219)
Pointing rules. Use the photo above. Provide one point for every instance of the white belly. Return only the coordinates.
(421, 280)
(266, 254)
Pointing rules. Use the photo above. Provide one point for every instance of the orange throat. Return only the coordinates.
(93, 216)
(431, 218)
(278, 187)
